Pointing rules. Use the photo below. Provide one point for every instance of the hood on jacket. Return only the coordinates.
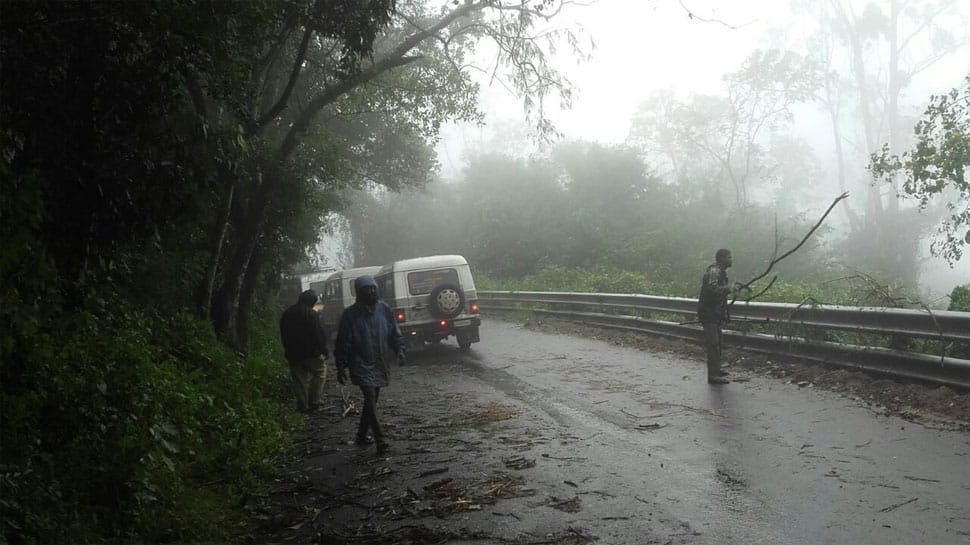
(363, 282)
(308, 298)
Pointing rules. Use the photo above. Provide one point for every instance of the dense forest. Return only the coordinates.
(163, 163)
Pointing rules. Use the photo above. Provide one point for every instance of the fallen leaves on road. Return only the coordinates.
(484, 414)
(520, 462)
(446, 496)
(571, 505)
(403, 535)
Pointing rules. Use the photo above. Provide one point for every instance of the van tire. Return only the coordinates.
(447, 301)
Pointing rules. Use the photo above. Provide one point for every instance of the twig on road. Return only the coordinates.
(436, 471)
(895, 506)
(630, 414)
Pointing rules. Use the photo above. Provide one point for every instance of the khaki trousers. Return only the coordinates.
(309, 376)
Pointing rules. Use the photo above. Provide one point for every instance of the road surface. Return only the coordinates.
(550, 438)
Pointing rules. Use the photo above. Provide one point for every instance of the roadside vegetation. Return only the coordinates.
(161, 164)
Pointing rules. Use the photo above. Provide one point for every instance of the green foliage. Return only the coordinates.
(960, 298)
(937, 167)
(161, 161)
(589, 208)
(125, 425)
(601, 279)
(89, 99)
(606, 279)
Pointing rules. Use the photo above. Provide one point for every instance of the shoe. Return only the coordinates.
(363, 441)
(718, 380)
(383, 448)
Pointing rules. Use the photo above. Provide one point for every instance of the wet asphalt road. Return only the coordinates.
(659, 456)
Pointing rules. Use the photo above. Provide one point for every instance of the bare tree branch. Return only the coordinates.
(884, 295)
(776, 260)
(691, 15)
(284, 99)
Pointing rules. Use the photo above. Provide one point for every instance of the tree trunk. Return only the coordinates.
(246, 296)
(225, 307)
(216, 242)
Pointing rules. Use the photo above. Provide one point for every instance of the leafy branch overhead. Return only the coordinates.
(338, 97)
(937, 167)
(233, 129)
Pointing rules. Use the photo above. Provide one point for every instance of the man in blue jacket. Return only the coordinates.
(305, 345)
(368, 339)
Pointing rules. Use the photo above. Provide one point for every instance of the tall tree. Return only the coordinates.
(416, 77)
(726, 135)
(234, 126)
(936, 167)
(874, 54)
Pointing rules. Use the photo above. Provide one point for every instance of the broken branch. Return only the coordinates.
(776, 260)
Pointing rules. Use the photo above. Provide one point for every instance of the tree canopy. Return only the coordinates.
(936, 167)
(161, 163)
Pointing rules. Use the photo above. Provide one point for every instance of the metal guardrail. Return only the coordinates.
(634, 312)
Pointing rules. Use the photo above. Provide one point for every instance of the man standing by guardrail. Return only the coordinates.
(712, 312)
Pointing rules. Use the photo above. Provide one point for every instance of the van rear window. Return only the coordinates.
(423, 282)
(385, 287)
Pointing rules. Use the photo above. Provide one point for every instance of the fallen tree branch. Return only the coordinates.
(775, 260)
(884, 297)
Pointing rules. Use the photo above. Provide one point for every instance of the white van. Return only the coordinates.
(432, 298)
(292, 285)
(337, 293)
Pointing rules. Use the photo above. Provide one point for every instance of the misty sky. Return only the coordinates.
(646, 45)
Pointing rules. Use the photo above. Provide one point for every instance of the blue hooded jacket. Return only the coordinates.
(368, 340)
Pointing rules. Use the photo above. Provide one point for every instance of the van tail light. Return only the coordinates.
(473, 307)
(443, 323)
(400, 316)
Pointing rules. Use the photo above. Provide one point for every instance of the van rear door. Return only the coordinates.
(422, 285)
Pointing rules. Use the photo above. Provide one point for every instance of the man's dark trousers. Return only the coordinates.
(712, 343)
(368, 415)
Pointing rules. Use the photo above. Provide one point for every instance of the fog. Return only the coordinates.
(686, 48)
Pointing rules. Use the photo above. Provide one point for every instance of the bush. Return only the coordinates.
(126, 425)
(600, 279)
(609, 279)
(960, 298)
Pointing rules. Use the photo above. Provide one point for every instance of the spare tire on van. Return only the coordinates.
(433, 298)
(447, 301)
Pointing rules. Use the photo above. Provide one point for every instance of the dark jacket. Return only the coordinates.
(368, 340)
(712, 302)
(302, 334)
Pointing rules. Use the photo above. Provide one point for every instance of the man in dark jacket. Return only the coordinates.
(712, 312)
(368, 338)
(305, 345)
